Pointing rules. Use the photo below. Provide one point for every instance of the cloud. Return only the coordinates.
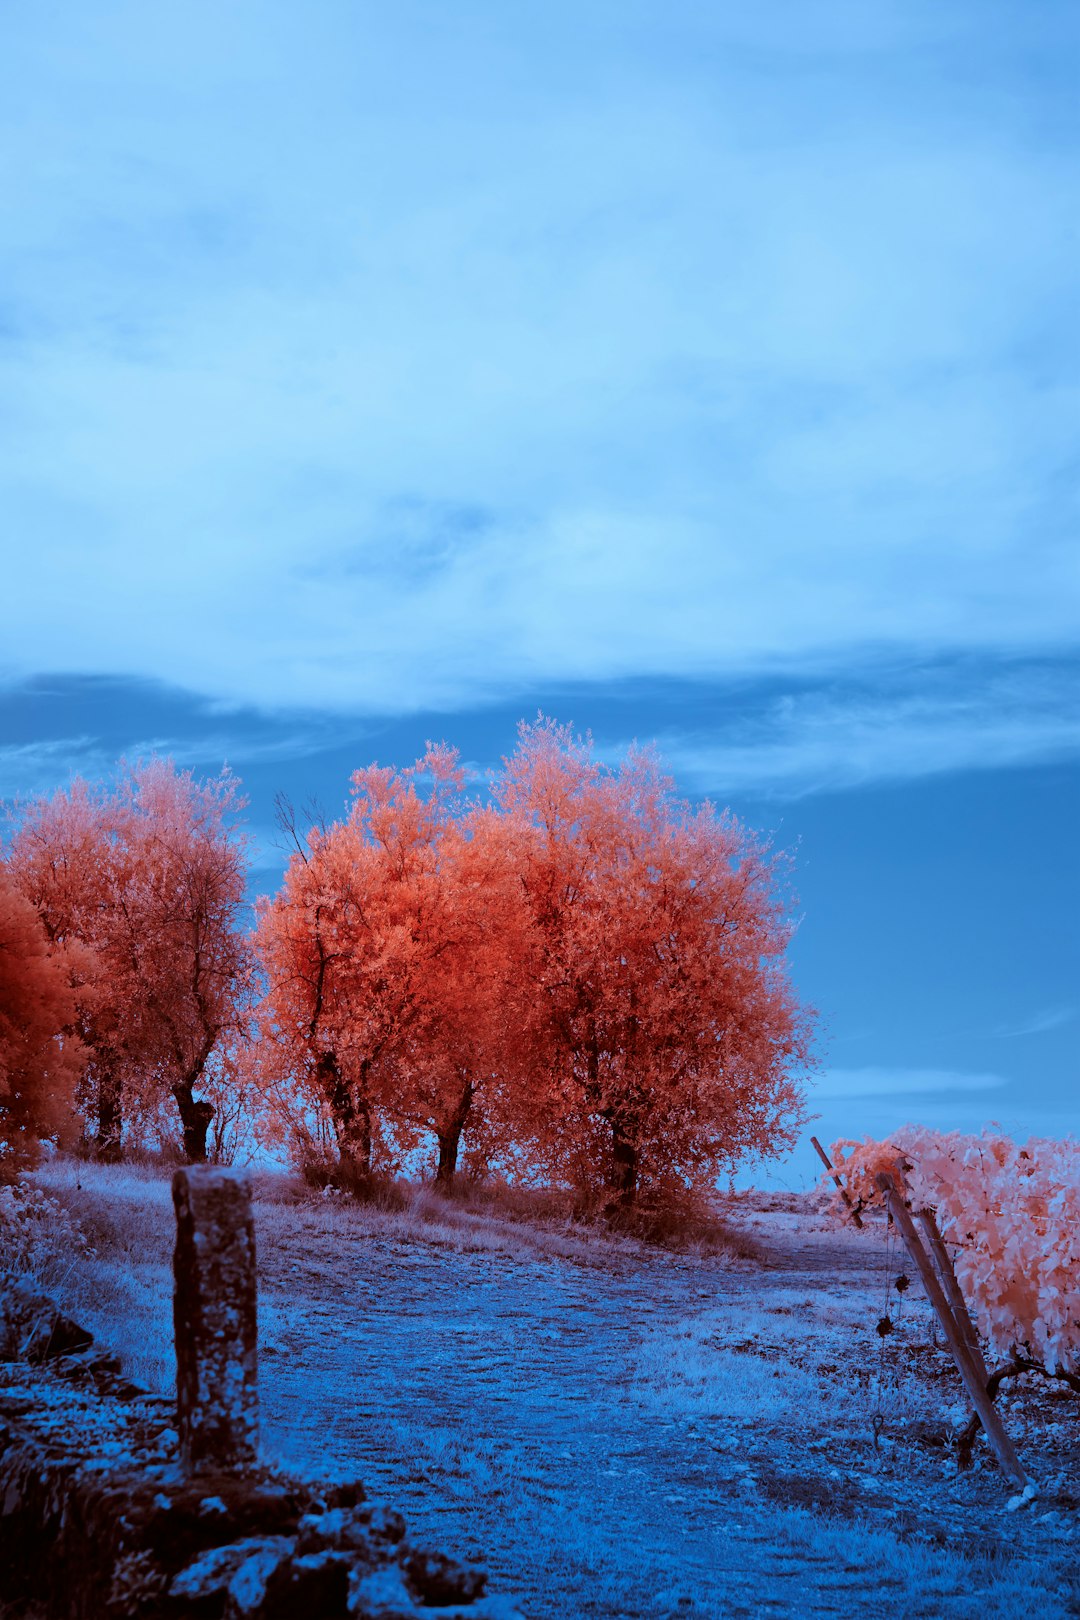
(841, 736)
(379, 364)
(901, 1082)
(29, 769)
(1040, 1023)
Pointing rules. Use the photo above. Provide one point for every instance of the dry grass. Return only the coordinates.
(754, 1372)
(121, 1289)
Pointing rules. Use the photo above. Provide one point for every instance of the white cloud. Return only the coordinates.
(742, 374)
(837, 738)
(899, 1082)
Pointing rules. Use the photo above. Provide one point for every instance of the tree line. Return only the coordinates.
(580, 978)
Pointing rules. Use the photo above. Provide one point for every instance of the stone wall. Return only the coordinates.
(100, 1518)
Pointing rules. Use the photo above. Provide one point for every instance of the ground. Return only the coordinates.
(619, 1431)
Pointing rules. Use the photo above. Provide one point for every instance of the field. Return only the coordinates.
(617, 1430)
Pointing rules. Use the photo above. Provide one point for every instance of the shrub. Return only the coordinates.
(38, 1237)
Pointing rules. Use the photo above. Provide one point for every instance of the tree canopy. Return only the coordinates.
(574, 975)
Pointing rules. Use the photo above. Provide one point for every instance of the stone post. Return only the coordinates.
(214, 1317)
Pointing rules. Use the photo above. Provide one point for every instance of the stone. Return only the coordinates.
(313, 1585)
(438, 1580)
(380, 1594)
(251, 1581)
(369, 1528)
(215, 1570)
(214, 1319)
(32, 1329)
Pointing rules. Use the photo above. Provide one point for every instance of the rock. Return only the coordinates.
(380, 1594)
(436, 1579)
(384, 1523)
(249, 1585)
(370, 1528)
(215, 1570)
(32, 1329)
(313, 1585)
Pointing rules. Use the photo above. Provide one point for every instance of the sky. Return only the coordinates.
(700, 375)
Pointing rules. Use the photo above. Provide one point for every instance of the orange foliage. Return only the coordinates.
(587, 973)
(664, 1038)
(384, 955)
(39, 1055)
(148, 882)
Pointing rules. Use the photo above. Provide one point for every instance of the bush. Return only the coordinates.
(326, 1174)
(38, 1237)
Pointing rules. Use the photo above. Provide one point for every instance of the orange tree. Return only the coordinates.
(142, 885)
(386, 959)
(40, 1056)
(664, 1039)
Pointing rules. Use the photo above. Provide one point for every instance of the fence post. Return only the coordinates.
(845, 1195)
(214, 1318)
(991, 1422)
(955, 1295)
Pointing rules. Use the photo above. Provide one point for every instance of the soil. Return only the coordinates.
(563, 1422)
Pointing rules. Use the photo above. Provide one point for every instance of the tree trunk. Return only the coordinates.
(624, 1168)
(450, 1140)
(195, 1117)
(354, 1143)
(110, 1117)
(350, 1112)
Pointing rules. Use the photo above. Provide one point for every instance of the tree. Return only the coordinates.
(382, 956)
(470, 989)
(69, 861)
(39, 1054)
(665, 1039)
(148, 880)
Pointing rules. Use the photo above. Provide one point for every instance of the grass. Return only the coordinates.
(121, 1288)
(916, 1578)
(775, 1363)
(769, 1376)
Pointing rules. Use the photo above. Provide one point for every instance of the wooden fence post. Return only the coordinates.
(214, 1318)
(845, 1195)
(991, 1422)
(955, 1295)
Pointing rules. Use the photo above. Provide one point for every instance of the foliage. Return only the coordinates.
(385, 956)
(142, 886)
(1011, 1215)
(40, 1057)
(582, 978)
(663, 1037)
(38, 1236)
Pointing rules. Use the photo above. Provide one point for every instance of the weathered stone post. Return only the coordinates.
(214, 1315)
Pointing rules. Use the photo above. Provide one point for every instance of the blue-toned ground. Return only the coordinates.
(617, 1432)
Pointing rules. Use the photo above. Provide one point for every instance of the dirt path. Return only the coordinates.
(552, 1419)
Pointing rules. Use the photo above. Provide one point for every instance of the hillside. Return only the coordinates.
(618, 1431)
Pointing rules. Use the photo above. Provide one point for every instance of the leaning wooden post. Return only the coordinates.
(991, 1422)
(845, 1195)
(214, 1318)
(955, 1296)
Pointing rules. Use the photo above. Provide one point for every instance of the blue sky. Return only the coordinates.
(698, 374)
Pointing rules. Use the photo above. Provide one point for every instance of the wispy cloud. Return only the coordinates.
(842, 736)
(1040, 1023)
(29, 769)
(900, 1082)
